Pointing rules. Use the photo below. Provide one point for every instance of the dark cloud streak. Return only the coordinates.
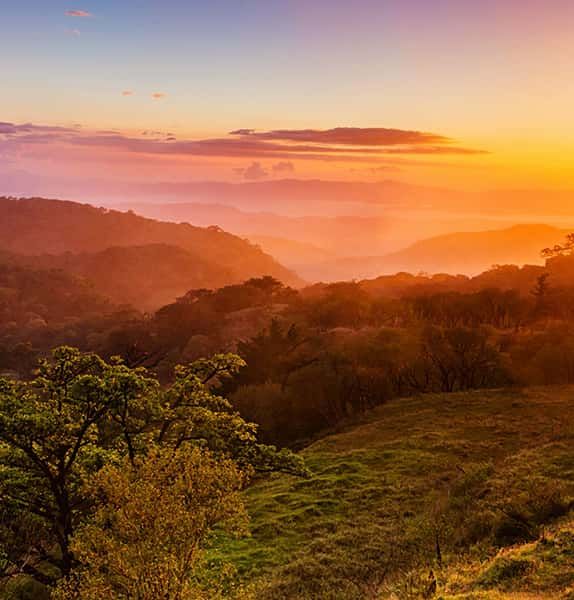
(238, 145)
(351, 136)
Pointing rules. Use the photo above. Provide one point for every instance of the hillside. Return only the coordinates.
(465, 252)
(473, 252)
(34, 226)
(475, 486)
(146, 277)
(43, 307)
(35, 298)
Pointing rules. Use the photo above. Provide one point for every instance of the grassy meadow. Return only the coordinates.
(463, 495)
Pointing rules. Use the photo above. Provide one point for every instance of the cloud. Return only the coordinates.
(230, 147)
(214, 147)
(159, 136)
(78, 13)
(249, 146)
(74, 32)
(282, 167)
(255, 171)
(158, 95)
(353, 136)
(26, 128)
(127, 93)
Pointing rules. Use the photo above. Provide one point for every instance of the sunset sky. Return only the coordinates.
(455, 93)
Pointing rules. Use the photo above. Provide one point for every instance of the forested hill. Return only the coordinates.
(146, 277)
(34, 226)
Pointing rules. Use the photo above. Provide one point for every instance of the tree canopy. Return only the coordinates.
(81, 414)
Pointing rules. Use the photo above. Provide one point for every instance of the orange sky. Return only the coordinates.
(490, 76)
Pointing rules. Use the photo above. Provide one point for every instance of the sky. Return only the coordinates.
(452, 93)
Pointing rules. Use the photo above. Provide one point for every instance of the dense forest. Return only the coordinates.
(115, 409)
(320, 354)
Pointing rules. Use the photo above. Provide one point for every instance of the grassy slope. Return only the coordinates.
(482, 472)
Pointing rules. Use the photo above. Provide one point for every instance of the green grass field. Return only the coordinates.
(467, 493)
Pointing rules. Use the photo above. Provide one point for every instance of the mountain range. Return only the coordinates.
(466, 253)
(355, 247)
(133, 259)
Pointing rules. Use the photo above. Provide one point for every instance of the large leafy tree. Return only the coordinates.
(80, 414)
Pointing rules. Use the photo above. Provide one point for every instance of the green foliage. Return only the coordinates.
(55, 432)
(80, 414)
(151, 522)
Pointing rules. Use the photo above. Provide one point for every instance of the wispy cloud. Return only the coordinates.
(355, 136)
(127, 93)
(255, 171)
(74, 32)
(158, 95)
(243, 145)
(25, 128)
(78, 13)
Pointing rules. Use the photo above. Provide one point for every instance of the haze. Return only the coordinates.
(408, 119)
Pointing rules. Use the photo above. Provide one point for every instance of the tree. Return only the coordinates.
(343, 304)
(565, 249)
(151, 524)
(460, 358)
(275, 354)
(540, 293)
(80, 414)
(55, 432)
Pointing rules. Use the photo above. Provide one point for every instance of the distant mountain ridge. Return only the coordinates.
(340, 235)
(501, 245)
(467, 253)
(364, 247)
(288, 196)
(106, 245)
